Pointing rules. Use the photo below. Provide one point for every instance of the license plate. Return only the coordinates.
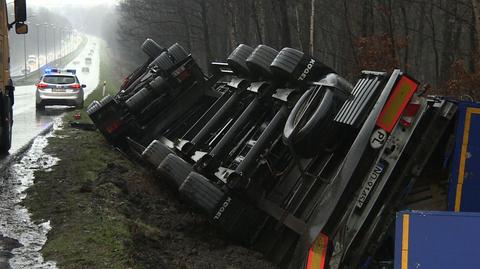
(58, 90)
(375, 174)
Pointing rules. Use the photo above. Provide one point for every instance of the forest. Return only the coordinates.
(436, 41)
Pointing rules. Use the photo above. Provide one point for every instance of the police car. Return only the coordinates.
(59, 87)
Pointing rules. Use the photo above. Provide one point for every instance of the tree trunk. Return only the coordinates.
(206, 32)
(256, 14)
(184, 17)
(448, 52)
(285, 30)
(405, 29)
(476, 11)
(311, 45)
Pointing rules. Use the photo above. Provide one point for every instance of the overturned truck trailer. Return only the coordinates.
(278, 150)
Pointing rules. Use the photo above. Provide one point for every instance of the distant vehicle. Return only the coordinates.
(88, 60)
(85, 69)
(76, 62)
(59, 87)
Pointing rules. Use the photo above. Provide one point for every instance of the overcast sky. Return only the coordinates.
(59, 3)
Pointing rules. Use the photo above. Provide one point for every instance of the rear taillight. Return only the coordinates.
(75, 86)
(397, 103)
(409, 114)
(42, 85)
(317, 253)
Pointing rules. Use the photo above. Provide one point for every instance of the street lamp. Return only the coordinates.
(25, 54)
(46, 52)
(38, 45)
(54, 47)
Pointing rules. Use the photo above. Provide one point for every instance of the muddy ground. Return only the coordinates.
(107, 212)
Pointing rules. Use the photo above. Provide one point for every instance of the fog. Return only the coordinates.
(55, 20)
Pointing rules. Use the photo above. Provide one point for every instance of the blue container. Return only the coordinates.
(464, 191)
(437, 240)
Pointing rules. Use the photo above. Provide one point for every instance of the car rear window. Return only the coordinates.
(59, 79)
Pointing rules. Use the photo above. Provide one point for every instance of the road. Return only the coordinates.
(28, 122)
(21, 240)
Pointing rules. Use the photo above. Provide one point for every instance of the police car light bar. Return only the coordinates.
(56, 70)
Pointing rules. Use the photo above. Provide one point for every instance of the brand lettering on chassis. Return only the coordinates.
(222, 209)
(307, 70)
(367, 188)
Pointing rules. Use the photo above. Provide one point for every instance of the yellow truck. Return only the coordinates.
(6, 85)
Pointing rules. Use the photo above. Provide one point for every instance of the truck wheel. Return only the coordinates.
(138, 101)
(156, 152)
(202, 193)
(261, 59)
(7, 121)
(237, 59)
(151, 48)
(311, 122)
(174, 169)
(168, 59)
(177, 52)
(294, 64)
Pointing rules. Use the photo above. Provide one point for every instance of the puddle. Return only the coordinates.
(15, 221)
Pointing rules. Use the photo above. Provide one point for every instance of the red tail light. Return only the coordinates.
(411, 110)
(409, 114)
(76, 86)
(42, 85)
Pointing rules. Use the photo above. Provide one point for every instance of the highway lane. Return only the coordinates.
(28, 122)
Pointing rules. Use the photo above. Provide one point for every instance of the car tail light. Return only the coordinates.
(318, 252)
(397, 103)
(42, 85)
(75, 86)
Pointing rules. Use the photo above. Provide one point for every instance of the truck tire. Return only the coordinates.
(294, 64)
(177, 52)
(261, 59)
(169, 58)
(156, 152)
(105, 100)
(151, 48)
(201, 193)
(138, 101)
(307, 137)
(93, 107)
(174, 169)
(237, 60)
(7, 121)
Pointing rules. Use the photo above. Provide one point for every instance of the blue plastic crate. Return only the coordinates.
(437, 240)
